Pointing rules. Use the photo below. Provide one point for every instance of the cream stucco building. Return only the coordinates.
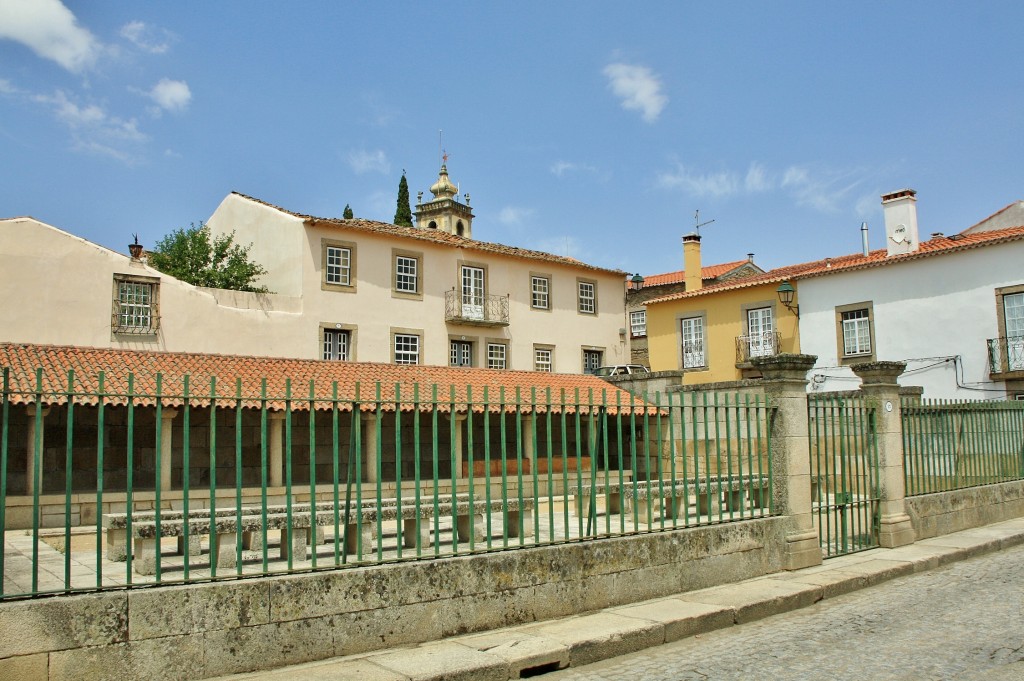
(351, 289)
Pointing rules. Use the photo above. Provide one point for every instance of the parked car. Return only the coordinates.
(621, 370)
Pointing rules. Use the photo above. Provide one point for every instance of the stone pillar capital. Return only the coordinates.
(879, 374)
(784, 367)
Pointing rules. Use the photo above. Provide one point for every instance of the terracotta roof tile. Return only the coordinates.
(435, 236)
(224, 377)
(709, 272)
(847, 263)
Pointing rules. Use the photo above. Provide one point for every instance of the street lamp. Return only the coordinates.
(786, 295)
(638, 282)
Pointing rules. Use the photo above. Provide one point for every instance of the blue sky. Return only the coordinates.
(593, 129)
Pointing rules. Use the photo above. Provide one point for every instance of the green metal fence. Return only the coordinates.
(952, 445)
(844, 473)
(102, 490)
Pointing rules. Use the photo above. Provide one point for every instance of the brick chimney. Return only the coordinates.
(900, 210)
(691, 262)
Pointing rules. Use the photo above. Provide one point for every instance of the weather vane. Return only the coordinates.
(697, 224)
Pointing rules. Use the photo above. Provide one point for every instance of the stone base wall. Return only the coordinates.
(199, 631)
(934, 515)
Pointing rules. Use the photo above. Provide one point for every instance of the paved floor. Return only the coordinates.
(943, 608)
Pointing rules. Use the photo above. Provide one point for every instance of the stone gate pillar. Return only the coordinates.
(30, 448)
(785, 387)
(878, 382)
(275, 449)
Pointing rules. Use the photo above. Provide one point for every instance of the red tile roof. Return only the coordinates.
(434, 236)
(709, 272)
(847, 263)
(227, 376)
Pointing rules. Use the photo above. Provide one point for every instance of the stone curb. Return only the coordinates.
(541, 647)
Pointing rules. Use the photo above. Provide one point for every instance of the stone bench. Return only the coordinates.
(303, 525)
(666, 497)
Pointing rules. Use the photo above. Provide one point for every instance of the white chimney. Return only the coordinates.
(900, 210)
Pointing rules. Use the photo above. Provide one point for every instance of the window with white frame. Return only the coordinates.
(692, 332)
(135, 304)
(407, 348)
(338, 267)
(540, 292)
(591, 360)
(856, 332)
(337, 344)
(542, 359)
(406, 274)
(587, 297)
(496, 356)
(638, 323)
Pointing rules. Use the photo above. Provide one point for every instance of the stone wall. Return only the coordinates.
(941, 513)
(204, 630)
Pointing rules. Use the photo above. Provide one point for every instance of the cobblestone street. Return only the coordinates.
(955, 622)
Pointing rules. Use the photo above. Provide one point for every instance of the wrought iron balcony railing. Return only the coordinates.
(757, 345)
(1005, 354)
(479, 310)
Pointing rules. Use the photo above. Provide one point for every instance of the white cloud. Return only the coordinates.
(512, 215)
(363, 161)
(561, 168)
(171, 95)
(757, 179)
(8, 89)
(51, 30)
(718, 184)
(93, 129)
(147, 38)
(823, 190)
(566, 246)
(638, 88)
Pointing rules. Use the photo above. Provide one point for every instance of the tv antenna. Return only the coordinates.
(697, 224)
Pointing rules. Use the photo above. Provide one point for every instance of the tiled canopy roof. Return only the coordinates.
(847, 263)
(709, 272)
(238, 375)
(434, 236)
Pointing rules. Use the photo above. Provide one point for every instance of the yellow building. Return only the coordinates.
(711, 332)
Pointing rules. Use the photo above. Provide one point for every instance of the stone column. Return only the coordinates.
(528, 454)
(275, 423)
(878, 382)
(30, 449)
(167, 419)
(369, 441)
(785, 383)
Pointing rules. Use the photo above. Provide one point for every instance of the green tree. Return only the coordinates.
(348, 212)
(403, 214)
(195, 256)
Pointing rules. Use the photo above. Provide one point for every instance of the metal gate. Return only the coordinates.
(844, 474)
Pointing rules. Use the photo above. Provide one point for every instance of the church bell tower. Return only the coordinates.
(445, 212)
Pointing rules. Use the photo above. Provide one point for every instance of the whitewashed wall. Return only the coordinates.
(925, 311)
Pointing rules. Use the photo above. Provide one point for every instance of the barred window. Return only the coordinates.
(135, 304)
(407, 348)
(692, 332)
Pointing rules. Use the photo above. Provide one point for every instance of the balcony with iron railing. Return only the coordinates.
(482, 310)
(1006, 357)
(757, 345)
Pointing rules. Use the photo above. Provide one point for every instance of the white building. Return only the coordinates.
(342, 289)
(952, 307)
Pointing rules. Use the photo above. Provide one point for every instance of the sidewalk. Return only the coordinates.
(533, 649)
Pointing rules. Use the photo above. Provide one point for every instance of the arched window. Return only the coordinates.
(432, 225)
(458, 227)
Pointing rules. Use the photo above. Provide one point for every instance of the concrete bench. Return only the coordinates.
(303, 525)
(656, 497)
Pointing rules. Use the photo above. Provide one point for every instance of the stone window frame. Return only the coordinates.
(601, 354)
(547, 303)
(497, 342)
(333, 327)
(474, 343)
(580, 282)
(632, 326)
(1000, 307)
(539, 348)
(325, 285)
(417, 256)
(119, 318)
(848, 359)
(396, 332)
